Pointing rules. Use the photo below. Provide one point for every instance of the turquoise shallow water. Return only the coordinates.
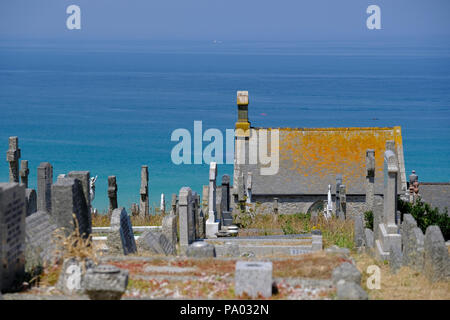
(111, 107)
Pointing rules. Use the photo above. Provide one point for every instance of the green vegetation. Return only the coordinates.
(426, 216)
(368, 217)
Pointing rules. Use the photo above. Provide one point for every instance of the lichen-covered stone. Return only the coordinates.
(201, 249)
(436, 263)
(106, 282)
(346, 271)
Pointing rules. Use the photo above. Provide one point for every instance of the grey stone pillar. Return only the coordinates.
(44, 188)
(186, 219)
(112, 193)
(143, 204)
(13, 156)
(226, 191)
(370, 179)
(24, 172)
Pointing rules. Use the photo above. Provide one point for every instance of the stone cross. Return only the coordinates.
(162, 206)
(68, 199)
(370, 179)
(186, 218)
(143, 205)
(13, 156)
(24, 172)
(12, 234)
(388, 236)
(44, 187)
(112, 193)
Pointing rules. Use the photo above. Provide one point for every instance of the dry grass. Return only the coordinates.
(407, 284)
(104, 220)
(334, 231)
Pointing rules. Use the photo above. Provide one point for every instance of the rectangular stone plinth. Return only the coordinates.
(253, 278)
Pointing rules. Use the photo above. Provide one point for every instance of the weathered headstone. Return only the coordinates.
(112, 193)
(31, 201)
(106, 282)
(12, 234)
(186, 217)
(346, 290)
(412, 245)
(155, 242)
(13, 156)
(24, 172)
(369, 241)
(436, 258)
(359, 231)
(205, 195)
(143, 206)
(44, 187)
(40, 247)
(85, 179)
(253, 278)
(169, 228)
(370, 179)
(121, 238)
(342, 202)
(212, 225)
(72, 276)
(201, 249)
(226, 192)
(338, 198)
(67, 200)
(173, 204)
(395, 257)
(346, 271)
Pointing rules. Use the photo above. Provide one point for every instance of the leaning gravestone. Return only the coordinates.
(12, 234)
(121, 238)
(169, 228)
(40, 248)
(72, 276)
(156, 243)
(68, 199)
(436, 263)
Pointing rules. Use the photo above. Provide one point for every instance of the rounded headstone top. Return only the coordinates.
(106, 268)
(199, 244)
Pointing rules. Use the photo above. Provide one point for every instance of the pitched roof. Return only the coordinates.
(310, 159)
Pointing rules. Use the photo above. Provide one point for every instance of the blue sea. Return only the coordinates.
(110, 107)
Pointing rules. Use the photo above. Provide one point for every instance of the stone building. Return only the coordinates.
(310, 159)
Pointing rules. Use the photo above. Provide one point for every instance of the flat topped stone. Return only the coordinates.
(106, 268)
(253, 278)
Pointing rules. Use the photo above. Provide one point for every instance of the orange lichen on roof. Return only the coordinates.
(321, 152)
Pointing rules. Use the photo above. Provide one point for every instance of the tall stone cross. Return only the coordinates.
(13, 156)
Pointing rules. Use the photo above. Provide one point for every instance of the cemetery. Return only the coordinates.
(311, 231)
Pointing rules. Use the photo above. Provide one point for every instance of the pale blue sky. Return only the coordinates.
(224, 19)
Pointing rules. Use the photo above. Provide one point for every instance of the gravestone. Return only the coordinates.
(395, 257)
(253, 278)
(342, 202)
(13, 156)
(205, 195)
(201, 225)
(85, 179)
(359, 231)
(67, 200)
(143, 205)
(201, 249)
(44, 188)
(226, 192)
(169, 228)
(212, 224)
(370, 179)
(197, 218)
(174, 204)
(186, 217)
(72, 276)
(338, 198)
(413, 243)
(31, 201)
(219, 202)
(436, 258)
(106, 282)
(155, 242)
(162, 206)
(112, 193)
(369, 241)
(40, 247)
(24, 172)
(387, 230)
(121, 238)
(12, 234)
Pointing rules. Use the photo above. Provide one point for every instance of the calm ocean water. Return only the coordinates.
(111, 107)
